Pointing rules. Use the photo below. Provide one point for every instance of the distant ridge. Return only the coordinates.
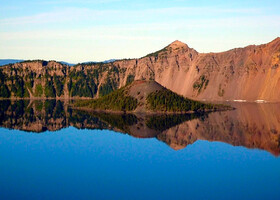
(9, 61)
(13, 61)
(66, 63)
(96, 62)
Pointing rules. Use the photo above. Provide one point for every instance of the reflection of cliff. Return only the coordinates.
(52, 115)
(40, 116)
(250, 125)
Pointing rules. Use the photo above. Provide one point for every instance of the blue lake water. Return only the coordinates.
(220, 156)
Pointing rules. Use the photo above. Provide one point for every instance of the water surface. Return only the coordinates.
(50, 151)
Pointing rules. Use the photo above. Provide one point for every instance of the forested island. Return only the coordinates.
(148, 97)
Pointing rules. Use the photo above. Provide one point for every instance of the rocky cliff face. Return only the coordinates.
(42, 79)
(250, 73)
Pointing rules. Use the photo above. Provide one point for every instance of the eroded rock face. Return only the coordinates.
(250, 73)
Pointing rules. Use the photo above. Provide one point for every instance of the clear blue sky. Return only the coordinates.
(83, 30)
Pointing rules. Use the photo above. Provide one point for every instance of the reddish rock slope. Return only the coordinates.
(250, 73)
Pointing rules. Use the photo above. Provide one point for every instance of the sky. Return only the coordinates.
(83, 30)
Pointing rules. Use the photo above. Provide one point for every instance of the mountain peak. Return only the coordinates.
(177, 44)
(276, 40)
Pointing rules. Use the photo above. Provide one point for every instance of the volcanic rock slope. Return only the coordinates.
(250, 73)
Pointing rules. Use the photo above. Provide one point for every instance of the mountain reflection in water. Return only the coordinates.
(250, 125)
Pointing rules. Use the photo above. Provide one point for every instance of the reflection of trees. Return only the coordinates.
(55, 114)
(119, 121)
(251, 126)
(25, 114)
(163, 122)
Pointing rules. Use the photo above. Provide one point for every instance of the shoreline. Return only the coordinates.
(46, 98)
(149, 112)
(258, 101)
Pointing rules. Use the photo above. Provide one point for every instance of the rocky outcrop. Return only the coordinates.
(250, 73)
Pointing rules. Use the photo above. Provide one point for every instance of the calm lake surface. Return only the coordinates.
(50, 151)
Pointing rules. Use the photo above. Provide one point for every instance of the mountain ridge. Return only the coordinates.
(250, 74)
